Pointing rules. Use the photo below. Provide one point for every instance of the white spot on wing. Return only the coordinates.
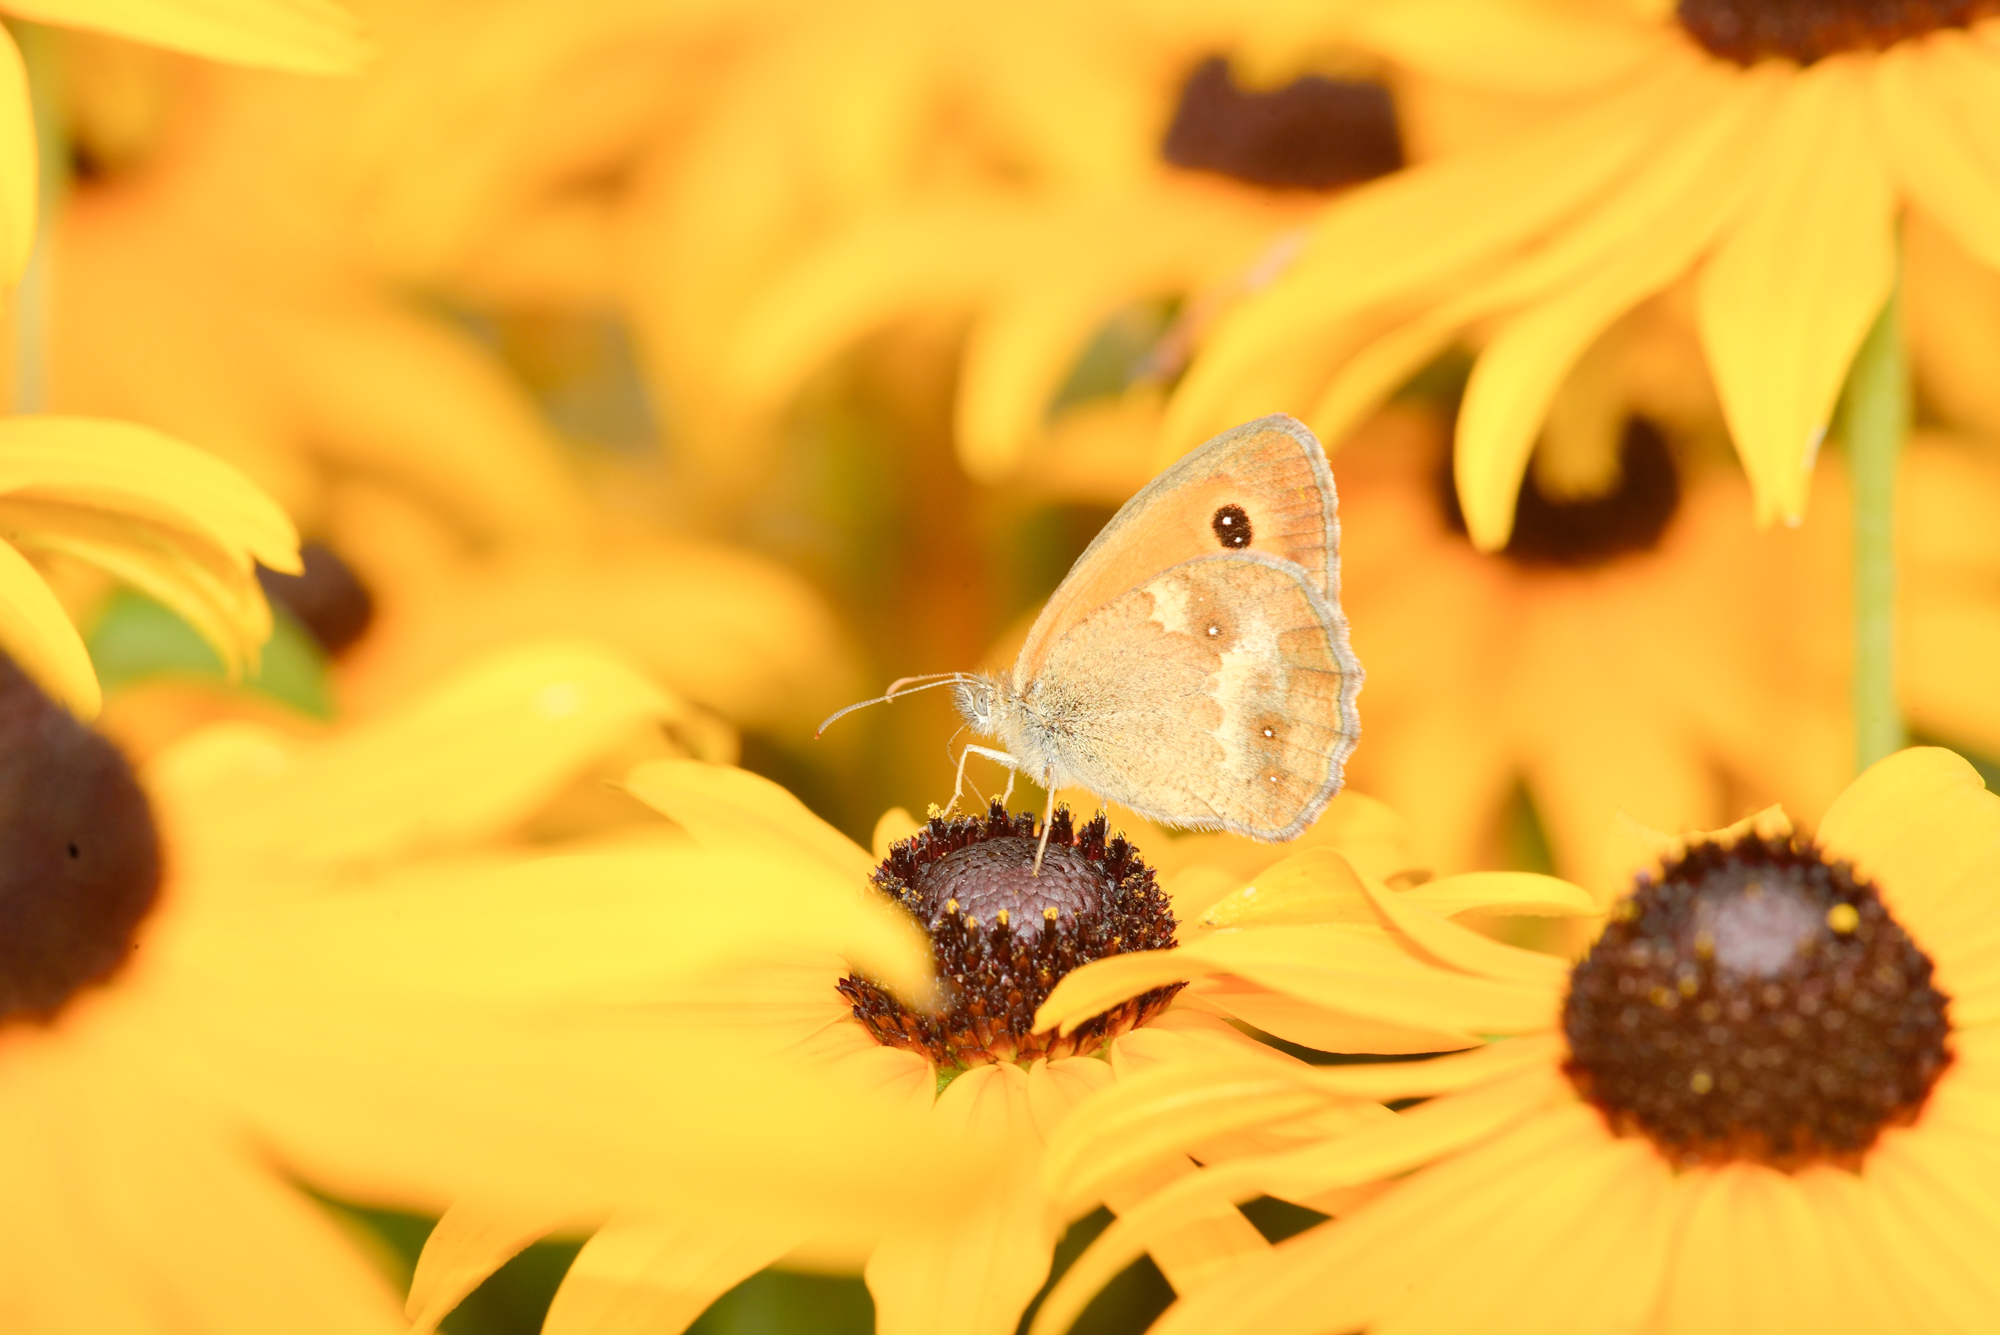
(1170, 604)
(1244, 684)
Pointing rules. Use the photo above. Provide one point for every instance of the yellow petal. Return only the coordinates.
(472, 759)
(124, 468)
(1926, 142)
(977, 1275)
(1413, 1138)
(306, 36)
(36, 633)
(1520, 892)
(1312, 1026)
(1914, 823)
(1317, 885)
(1464, 949)
(646, 1276)
(1791, 290)
(470, 1241)
(1351, 1274)
(895, 826)
(722, 806)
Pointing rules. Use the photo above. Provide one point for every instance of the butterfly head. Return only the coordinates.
(978, 699)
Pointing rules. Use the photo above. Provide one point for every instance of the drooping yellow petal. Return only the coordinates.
(977, 1275)
(723, 806)
(36, 632)
(306, 36)
(1689, 196)
(471, 1240)
(125, 468)
(651, 1276)
(1791, 290)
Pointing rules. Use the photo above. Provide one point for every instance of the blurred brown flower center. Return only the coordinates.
(79, 856)
(1595, 530)
(1002, 938)
(1755, 1002)
(1747, 31)
(327, 597)
(1314, 133)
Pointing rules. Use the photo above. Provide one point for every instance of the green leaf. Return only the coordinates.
(136, 639)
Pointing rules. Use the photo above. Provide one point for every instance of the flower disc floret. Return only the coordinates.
(1757, 1002)
(1003, 936)
(79, 854)
(1747, 31)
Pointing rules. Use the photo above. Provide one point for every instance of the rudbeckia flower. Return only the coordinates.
(263, 961)
(310, 36)
(145, 509)
(1762, 1100)
(1205, 208)
(1647, 647)
(978, 1061)
(1763, 152)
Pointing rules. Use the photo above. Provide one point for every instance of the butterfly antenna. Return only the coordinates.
(896, 689)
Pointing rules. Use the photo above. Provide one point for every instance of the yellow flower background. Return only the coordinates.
(456, 452)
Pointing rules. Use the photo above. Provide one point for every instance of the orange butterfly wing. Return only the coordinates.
(1272, 470)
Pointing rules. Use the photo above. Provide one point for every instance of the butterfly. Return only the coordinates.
(1194, 664)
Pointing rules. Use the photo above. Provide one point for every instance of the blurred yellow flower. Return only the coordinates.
(310, 36)
(265, 960)
(1765, 152)
(164, 518)
(1762, 1101)
(1648, 648)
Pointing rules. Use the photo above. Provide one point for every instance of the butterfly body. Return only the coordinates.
(1194, 664)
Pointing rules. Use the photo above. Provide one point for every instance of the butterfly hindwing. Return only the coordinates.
(1217, 694)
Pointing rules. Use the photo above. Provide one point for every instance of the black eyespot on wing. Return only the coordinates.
(1232, 526)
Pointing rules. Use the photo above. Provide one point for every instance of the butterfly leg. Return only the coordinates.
(1048, 814)
(1002, 757)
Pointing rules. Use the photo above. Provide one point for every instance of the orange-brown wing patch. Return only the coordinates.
(1220, 694)
(1261, 487)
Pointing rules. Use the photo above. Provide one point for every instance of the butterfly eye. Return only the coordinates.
(1232, 526)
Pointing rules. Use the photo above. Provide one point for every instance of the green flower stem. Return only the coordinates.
(1876, 419)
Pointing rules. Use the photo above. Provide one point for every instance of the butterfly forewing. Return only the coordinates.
(1218, 694)
(1262, 487)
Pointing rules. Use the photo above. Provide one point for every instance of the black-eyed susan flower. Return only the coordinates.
(145, 509)
(975, 1059)
(1648, 647)
(261, 961)
(1762, 1099)
(1763, 152)
(1064, 276)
